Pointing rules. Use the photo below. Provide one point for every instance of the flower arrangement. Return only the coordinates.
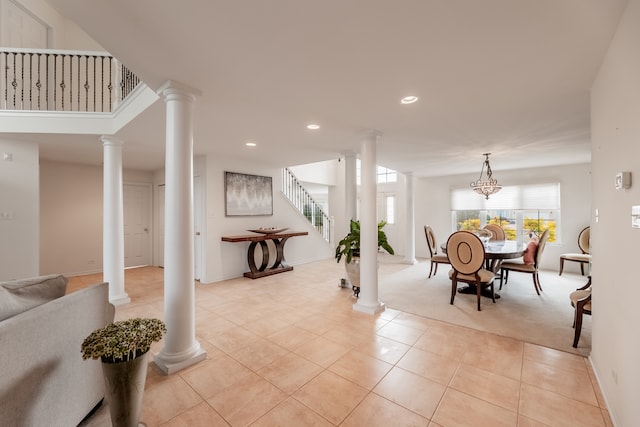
(123, 340)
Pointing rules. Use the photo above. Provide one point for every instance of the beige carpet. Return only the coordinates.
(519, 313)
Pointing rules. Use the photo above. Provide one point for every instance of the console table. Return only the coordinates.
(278, 239)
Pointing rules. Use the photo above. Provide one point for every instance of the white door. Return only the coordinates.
(20, 28)
(137, 224)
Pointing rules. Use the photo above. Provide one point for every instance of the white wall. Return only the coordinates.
(615, 127)
(433, 206)
(19, 210)
(65, 34)
(320, 172)
(225, 260)
(71, 216)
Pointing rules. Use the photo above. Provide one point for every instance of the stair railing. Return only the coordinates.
(302, 200)
(57, 80)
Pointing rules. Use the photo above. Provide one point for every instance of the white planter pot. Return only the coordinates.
(353, 271)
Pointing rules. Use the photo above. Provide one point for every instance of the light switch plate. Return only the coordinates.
(623, 180)
(635, 216)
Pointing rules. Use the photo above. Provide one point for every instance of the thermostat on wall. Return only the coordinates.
(623, 180)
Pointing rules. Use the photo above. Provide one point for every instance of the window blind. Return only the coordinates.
(513, 197)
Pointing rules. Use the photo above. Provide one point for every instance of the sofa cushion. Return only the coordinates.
(21, 295)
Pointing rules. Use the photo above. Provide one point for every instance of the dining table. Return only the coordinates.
(495, 252)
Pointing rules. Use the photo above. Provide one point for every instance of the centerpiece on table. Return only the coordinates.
(349, 247)
(123, 347)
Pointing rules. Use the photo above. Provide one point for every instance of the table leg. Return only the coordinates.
(278, 265)
(252, 259)
(279, 243)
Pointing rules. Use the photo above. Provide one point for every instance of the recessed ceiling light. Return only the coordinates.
(313, 127)
(250, 144)
(409, 99)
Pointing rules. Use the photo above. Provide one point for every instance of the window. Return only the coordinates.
(386, 175)
(390, 204)
(524, 211)
(383, 175)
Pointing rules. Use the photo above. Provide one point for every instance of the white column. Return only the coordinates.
(350, 195)
(181, 349)
(113, 221)
(368, 301)
(350, 188)
(410, 222)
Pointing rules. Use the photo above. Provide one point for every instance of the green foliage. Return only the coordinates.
(349, 246)
(536, 226)
(469, 224)
(123, 341)
(533, 227)
(509, 232)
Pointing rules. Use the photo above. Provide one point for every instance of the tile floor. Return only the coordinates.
(288, 350)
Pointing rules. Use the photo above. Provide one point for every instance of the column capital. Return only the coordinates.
(111, 140)
(172, 88)
(372, 134)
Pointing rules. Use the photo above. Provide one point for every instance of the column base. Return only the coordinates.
(120, 299)
(410, 261)
(169, 368)
(374, 309)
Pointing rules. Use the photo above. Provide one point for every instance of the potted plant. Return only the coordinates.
(349, 247)
(122, 347)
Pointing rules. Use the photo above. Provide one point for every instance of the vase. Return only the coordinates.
(353, 274)
(353, 271)
(124, 387)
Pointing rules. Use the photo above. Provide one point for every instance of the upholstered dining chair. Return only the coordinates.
(581, 301)
(584, 257)
(525, 266)
(466, 255)
(436, 258)
(496, 231)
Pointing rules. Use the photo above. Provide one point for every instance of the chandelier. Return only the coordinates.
(488, 186)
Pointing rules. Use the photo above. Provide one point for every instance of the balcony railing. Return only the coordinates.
(50, 80)
(302, 200)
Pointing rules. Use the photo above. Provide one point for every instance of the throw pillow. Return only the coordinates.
(529, 254)
(21, 295)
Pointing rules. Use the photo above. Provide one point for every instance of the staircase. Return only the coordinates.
(299, 197)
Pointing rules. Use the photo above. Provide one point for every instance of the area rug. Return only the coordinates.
(519, 313)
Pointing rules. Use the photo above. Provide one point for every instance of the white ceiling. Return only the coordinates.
(501, 76)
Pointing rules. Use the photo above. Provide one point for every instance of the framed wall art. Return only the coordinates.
(247, 195)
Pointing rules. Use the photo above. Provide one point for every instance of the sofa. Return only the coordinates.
(44, 380)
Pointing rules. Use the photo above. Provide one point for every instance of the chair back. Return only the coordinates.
(466, 252)
(431, 240)
(584, 240)
(541, 244)
(496, 231)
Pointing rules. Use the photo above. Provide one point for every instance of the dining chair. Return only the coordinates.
(581, 301)
(433, 251)
(584, 257)
(525, 266)
(466, 256)
(497, 232)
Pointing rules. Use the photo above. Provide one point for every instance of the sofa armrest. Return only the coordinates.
(44, 378)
